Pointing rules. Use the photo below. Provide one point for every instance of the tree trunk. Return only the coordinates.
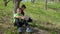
(32, 1)
(16, 4)
(5, 2)
(52, 0)
(56, 1)
(45, 4)
(59, 1)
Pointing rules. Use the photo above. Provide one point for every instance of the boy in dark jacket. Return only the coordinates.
(22, 12)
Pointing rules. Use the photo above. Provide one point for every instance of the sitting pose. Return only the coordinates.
(23, 7)
(20, 20)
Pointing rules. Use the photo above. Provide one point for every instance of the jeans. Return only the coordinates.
(20, 23)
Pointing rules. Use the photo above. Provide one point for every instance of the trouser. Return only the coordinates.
(20, 23)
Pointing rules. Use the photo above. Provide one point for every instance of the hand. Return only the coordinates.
(23, 17)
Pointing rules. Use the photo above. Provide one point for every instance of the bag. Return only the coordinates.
(29, 20)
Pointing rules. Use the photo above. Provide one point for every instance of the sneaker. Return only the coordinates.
(28, 30)
(19, 29)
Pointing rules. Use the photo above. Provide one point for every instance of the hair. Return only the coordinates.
(19, 8)
(23, 6)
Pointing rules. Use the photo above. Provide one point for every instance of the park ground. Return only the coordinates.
(44, 21)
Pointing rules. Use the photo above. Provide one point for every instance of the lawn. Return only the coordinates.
(46, 19)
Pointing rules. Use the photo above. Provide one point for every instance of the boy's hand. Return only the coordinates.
(23, 17)
(26, 17)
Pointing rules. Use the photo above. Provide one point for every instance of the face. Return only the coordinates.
(18, 11)
(23, 8)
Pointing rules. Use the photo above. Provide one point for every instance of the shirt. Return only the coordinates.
(17, 15)
(22, 13)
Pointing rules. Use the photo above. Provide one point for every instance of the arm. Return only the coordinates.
(17, 16)
(22, 17)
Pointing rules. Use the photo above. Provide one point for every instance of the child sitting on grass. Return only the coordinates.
(19, 21)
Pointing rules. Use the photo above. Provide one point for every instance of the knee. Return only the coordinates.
(16, 20)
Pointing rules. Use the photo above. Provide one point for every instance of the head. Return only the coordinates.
(19, 10)
(23, 7)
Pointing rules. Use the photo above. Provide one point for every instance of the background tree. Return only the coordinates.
(52, 0)
(45, 4)
(56, 1)
(32, 1)
(5, 2)
(16, 4)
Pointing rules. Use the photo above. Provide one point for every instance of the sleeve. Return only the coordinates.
(15, 15)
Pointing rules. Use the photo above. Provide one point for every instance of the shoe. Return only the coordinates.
(19, 29)
(28, 30)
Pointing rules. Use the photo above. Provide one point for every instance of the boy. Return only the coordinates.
(19, 20)
(23, 7)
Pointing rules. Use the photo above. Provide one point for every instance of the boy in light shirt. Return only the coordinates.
(20, 20)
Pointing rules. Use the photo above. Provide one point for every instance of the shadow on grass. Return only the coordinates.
(56, 30)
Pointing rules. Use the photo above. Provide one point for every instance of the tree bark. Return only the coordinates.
(5, 2)
(16, 4)
(56, 1)
(32, 1)
(45, 4)
(59, 1)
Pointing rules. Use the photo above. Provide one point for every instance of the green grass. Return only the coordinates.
(36, 12)
(54, 5)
